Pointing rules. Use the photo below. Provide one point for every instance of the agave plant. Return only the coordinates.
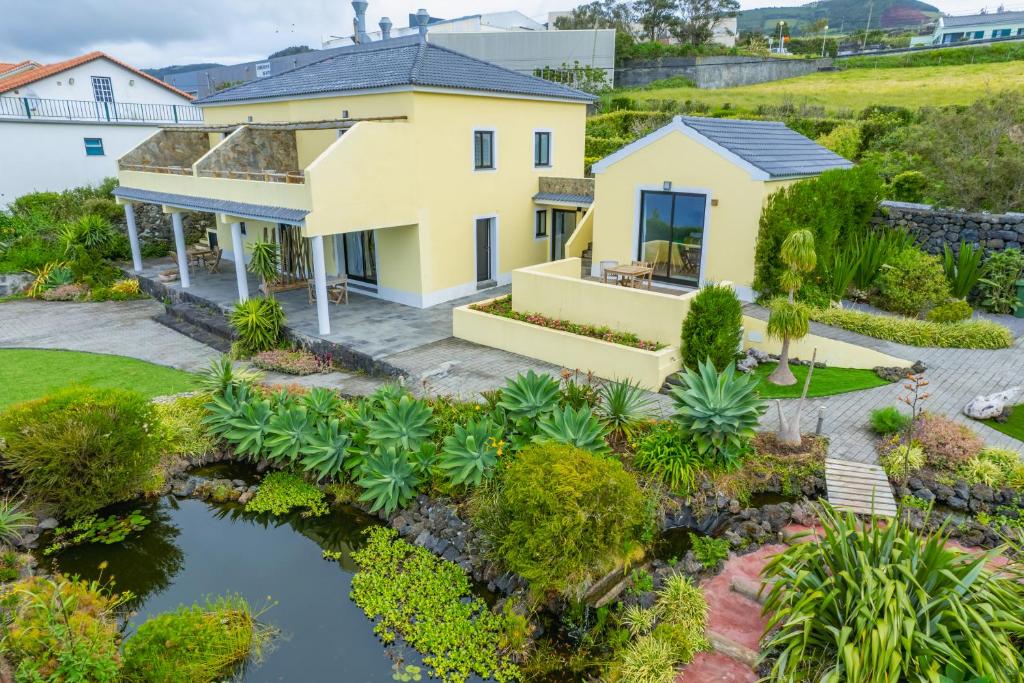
(282, 399)
(624, 406)
(223, 374)
(225, 407)
(405, 423)
(530, 396)
(389, 481)
(424, 460)
(326, 449)
(470, 454)
(248, 429)
(391, 392)
(574, 427)
(258, 323)
(288, 434)
(720, 410)
(264, 262)
(321, 402)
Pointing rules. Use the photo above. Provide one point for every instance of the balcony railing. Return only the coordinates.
(32, 108)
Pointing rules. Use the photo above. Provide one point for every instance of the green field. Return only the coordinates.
(31, 373)
(856, 89)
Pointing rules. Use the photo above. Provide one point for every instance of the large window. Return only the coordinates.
(94, 147)
(672, 234)
(542, 149)
(102, 89)
(483, 150)
(540, 223)
(360, 256)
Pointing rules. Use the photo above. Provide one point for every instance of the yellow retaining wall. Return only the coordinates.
(582, 235)
(556, 290)
(833, 352)
(604, 359)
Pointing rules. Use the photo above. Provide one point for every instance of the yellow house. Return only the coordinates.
(688, 197)
(407, 168)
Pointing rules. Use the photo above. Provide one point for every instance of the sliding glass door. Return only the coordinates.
(672, 235)
(359, 255)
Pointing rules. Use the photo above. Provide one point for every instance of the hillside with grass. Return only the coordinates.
(846, 15)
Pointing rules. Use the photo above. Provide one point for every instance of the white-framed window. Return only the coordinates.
(94, 147)
(542, 149)
(102, 89)
(540, 223)
(483, 150)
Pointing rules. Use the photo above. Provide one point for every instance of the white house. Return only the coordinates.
(65, 124)
(950, 30)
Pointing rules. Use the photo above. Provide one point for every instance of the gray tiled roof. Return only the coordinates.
(772, 147)
(257, 212)
(405, 61)
(990, 18)
(564, 198)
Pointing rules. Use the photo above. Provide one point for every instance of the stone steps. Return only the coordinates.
(201, 323)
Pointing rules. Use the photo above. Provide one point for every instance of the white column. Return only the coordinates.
(133, 236)
(320, 283)
(179, 246)
(238, 250)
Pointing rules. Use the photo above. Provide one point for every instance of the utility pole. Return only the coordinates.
(871, 8)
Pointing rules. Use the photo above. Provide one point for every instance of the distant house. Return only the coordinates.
(972, 27)
(65, 124)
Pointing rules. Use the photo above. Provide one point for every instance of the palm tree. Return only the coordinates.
(789, 319)
(264, 262)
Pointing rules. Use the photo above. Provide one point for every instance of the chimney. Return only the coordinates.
(360, 22)
(385, 28)
(422, 19)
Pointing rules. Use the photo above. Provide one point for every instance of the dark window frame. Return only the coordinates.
(542, 151)
(483, 141)
(540, 223)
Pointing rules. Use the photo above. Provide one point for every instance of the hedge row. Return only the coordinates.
(966, 334)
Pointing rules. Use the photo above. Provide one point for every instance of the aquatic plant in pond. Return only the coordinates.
(281, 492)
(92, 529)
(427, 602)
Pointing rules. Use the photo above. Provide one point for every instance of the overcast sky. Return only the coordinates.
(152, 33)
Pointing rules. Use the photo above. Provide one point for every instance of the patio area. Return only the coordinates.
(371, 326)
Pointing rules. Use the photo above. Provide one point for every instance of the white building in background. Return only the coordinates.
(65, 124)
(972, 27)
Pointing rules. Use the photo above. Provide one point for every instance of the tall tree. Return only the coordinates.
(600, 14)
(657, 17)
(695, 19)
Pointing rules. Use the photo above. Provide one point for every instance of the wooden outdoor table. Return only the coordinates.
(627, 274)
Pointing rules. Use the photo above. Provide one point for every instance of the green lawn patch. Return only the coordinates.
(825, 382)
(33, 373)
(1014, 425)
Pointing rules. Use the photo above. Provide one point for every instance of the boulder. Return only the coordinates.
(993, 405)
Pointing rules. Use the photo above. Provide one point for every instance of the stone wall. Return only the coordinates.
(580, 186)
(155, 226)
(934, 227)
(714, 72)
(253, 150)
(170, 148)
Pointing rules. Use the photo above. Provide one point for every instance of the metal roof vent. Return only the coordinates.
(422, 19)
(360, 21)
(385, 28)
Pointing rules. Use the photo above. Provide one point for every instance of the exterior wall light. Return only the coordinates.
(71, 81)
(667, 186)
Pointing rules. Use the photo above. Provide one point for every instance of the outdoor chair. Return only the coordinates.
(337, 291)
(644, 280)
(213, 260)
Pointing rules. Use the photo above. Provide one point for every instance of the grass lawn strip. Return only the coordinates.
(825, 382)
(33, 373)
(1014, 426)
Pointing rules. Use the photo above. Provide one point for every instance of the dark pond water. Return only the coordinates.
(194, 549)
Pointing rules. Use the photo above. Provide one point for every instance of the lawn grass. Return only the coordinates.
(1014, 425)
(856, 89)
(32, 373)
(825, 382)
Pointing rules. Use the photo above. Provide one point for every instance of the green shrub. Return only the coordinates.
(870, 249)
(962, 270)
(624, 406)
(428, 603)
(184, 432)
(908, 186)
(13, 521)
(844, 140)
(710, 552)
(835, 206)
(560, 516)
(947, 444)
(719, 410)
(911, 283)
(888, 420)
(903, 459)
(668, 453)
(952, 311)
(967, 334)
(649, 660)
(873, 602)
(197, 644)
(81, 449)
(711, 329)
(998, 285)
(995, 467)
(29, 253)
(683, 617)
(58, 630)
(258, 323)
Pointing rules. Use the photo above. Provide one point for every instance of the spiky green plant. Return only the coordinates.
(405, 423)
(423, 460)
(288, 434)
(720, 410)
(471, 452)
(580, 428)
(649, 660)
(529, 396)
(258, 323)
(839, 272)
(389, 481)
(326, 449)
(963, 270)
(226, 406)
(13, 521)
(91, 231)
(223, 374)
(624, 406)
(874, 603)
(389, 392)
(248, 429)
(282, 399)
(321, 402)
(639, 621)
(264, 261)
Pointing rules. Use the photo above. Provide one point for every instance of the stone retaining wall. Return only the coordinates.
(934, 227)
(714, 72)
